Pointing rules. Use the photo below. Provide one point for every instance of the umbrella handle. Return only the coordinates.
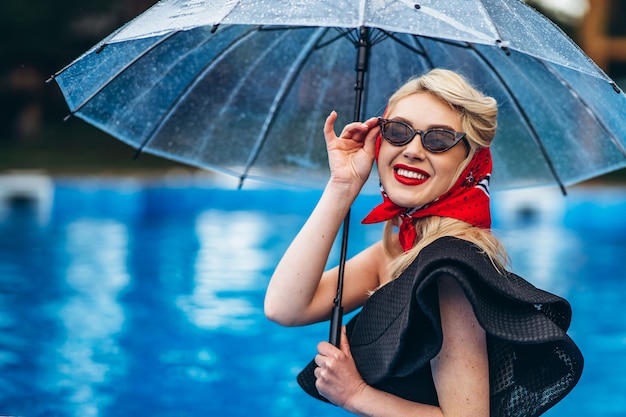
(335, 326)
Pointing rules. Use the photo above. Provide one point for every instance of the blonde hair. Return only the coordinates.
(478, 120)
(478, 112)
(432, 228)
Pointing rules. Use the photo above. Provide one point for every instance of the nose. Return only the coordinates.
(414, 149)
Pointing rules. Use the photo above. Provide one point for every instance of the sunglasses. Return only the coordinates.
(434, 140)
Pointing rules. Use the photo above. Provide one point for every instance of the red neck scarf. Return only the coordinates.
(467, 200)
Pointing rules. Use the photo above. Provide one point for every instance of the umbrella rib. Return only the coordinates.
(285, 86)
(265, 28)
(166, 115)
(118, 73)
(526, 120)
(498, 41)
(342, 34)
(419, 49)
(425, 52)
(242, 82)
(379, 36)
(422, 50)
(569, 88)
(403, 43)
(457, 24)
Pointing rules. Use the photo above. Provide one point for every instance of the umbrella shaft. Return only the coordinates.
(361, 69)
(359, 87)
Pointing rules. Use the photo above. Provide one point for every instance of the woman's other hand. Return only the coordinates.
(338, 380)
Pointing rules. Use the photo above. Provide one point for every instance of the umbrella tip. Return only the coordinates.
(616, 87)
(417, 6)
(241, 180)
(504, 45)
(214, 28)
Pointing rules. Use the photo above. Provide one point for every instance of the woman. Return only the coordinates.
(444, 328)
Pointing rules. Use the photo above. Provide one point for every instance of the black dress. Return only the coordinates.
(533, 363)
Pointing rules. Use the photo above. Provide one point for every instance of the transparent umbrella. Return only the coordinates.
(243, 86)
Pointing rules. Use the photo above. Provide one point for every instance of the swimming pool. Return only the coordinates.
(131, 296)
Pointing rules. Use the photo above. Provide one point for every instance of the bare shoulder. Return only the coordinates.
(364, 273)
(376, 259)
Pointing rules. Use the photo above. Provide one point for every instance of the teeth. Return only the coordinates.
(411, 174)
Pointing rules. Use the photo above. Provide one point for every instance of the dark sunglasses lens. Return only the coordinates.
(397, 133)
(439, 140)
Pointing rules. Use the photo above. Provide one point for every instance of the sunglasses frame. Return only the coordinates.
(458, 136)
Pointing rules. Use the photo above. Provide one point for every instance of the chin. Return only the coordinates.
(404, 196)
(407, 202)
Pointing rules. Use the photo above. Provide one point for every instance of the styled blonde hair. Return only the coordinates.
(478, 120)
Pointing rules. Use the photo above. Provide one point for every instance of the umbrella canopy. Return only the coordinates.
(243, 86)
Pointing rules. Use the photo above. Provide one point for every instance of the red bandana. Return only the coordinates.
(467, 200)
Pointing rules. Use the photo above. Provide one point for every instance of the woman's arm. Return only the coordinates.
(460, 370)
(299, 291)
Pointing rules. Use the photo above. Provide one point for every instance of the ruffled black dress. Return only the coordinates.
(533, 363)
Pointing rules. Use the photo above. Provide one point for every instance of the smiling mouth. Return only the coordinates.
(410, 174)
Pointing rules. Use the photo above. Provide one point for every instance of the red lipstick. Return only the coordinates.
(408, 175)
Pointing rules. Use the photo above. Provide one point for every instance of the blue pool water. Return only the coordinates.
(129, 297)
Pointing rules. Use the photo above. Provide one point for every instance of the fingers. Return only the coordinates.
(344, 345)
(351, 154)
(355, 130)
(327, 349)
(327, 355)
(337, 378)
(328, 364)
(372, 122)
(370, 141)
(329, 125)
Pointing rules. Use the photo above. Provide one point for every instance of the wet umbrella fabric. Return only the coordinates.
(243, 87)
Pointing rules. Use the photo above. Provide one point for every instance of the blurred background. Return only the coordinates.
(126, 292)
(39, 38)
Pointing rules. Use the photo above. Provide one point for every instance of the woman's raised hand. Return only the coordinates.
(300, 291)
(351, 154)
